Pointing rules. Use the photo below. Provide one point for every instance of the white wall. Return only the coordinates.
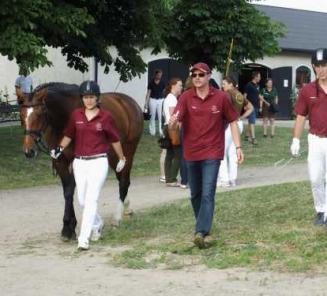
(59, 72)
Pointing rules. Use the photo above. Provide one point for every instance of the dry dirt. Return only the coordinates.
(33, 260)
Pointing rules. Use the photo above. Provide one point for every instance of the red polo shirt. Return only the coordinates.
(315, 106)
(204, 123)
(91, 137)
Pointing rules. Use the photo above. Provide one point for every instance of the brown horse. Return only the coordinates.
(45, 113)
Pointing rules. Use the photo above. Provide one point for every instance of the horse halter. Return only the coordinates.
(36, 134)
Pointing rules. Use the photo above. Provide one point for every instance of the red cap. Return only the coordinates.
(203, 67)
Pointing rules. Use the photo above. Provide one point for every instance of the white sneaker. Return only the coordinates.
(83, 246)
(96, 233)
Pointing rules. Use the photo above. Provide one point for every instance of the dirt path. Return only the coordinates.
(35, 262)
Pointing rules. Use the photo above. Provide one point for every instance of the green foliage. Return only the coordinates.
(202, 31)
(81, 29)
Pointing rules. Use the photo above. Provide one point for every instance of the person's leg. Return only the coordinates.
(251, 121)
(195, 182)
(96, 176)
(176, 162)
(168, 165)
(80, 175)
(317, 172)
(204, 219)
(233, 165)
(152, 110)
(159, 112)
(162, 165)
(272, 126)
(265, 122)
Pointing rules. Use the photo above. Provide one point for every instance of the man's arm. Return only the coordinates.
(237, 141)
(299, 126)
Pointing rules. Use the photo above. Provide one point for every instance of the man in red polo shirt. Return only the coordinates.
(204, 112)
(312, 102)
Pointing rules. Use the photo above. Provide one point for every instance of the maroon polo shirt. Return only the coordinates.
(204, 123)
(313, 104)
(91, 137)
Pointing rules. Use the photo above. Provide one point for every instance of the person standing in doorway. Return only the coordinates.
(92, 129)
(153, 100)
(269, 99)
(252, 94)
(312, 103)
(203, 112)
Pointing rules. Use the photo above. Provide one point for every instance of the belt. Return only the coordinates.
(92, 156)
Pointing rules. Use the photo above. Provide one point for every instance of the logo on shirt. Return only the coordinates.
(79, 122)
(313, 98)
(214, 109)
(98, 126)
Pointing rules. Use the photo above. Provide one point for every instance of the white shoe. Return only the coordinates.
(96, 233)
(223, 184)
(83, 246)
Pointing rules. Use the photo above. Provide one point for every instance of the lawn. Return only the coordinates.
(266, 228)
(16, 171)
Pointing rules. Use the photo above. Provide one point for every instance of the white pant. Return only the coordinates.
(90, 176)
(155, 107)
(228, 166)
(317, 163)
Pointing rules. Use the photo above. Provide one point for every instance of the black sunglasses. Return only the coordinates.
(193, 75)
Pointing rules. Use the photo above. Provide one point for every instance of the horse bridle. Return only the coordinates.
(36, 134)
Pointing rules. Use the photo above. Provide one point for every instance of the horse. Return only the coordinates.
(45, 113)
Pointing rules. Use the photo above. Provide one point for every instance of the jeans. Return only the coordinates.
(155, 107)
(202, 180)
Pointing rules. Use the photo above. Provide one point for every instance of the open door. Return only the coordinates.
(282, 78)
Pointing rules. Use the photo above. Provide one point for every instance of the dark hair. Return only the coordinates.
(157, 71)
(231, 80)
(255, 74)
(169, 86)
(269, 79)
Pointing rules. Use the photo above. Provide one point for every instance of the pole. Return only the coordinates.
(229, 58)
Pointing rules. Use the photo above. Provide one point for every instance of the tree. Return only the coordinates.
(202, 30)
(81, 29)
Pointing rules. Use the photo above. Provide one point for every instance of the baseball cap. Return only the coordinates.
(319, 56)
(203, 67)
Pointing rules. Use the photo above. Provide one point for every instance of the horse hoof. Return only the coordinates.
(66, 237)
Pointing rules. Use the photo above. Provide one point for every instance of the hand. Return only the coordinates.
(295, 147)
(120, 165)
(240, 155)
(173, 119)
(56, 152)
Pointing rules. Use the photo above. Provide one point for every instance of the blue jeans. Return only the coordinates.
(202, 180)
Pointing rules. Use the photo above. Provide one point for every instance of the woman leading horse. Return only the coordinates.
(46, 112)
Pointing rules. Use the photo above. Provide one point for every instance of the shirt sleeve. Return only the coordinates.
(70, 128)
(229, 112)
(301, 107)
(17, 82)
(111, 130)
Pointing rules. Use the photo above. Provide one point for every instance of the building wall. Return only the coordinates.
(59, 72)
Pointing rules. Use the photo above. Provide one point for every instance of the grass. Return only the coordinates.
(16, 171)
(266, 228)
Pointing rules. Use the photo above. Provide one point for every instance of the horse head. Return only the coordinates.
(33, 113)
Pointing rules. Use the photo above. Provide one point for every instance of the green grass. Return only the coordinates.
(266, 228)
(16, 171)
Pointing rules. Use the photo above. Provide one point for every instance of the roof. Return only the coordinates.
(306, 30)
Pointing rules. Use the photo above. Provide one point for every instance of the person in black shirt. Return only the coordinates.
(153, 101)
(252, 94)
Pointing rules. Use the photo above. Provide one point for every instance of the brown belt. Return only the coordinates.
(92, 156)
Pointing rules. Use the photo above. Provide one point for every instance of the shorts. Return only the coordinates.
(252, 117)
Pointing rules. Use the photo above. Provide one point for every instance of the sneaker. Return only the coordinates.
(96, 233)
(254, 142)
(265, 136)
(162, 179)
(173, 184)
(83, 246)
(199, 240)
(183, 186)
(320, 219)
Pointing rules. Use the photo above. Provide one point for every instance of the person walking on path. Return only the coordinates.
(203, 111)
(154, 99)
(252, 94)
(173, 155)
(312, 103)
(228, 166)
(269, 99)
(92, 130)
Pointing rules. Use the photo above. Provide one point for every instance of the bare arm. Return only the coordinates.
(65, 142)
(276, 100)
(237, 141)
(299, 126)
(248, 110)
(119, 150)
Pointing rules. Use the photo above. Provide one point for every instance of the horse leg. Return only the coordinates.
(69, 219)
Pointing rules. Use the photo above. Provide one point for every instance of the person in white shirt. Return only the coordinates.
(173, 156)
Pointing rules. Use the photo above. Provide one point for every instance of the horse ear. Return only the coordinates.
(41, 95)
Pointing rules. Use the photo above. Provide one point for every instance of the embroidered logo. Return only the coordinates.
(98, 126)
(313, 98)
(214, 109)
(79, 122)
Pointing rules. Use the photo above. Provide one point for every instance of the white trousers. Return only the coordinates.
(155, 107)
(90, 176)
(228, 166)
(317, 164)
